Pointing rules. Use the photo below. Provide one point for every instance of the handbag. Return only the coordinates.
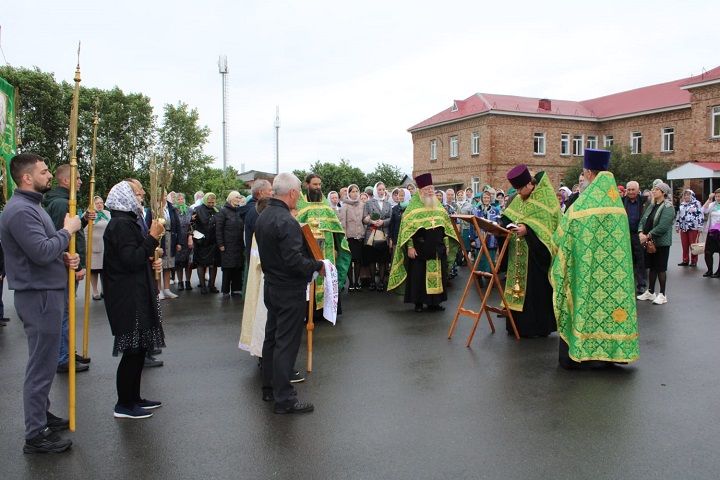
(650, 246)
(377, 239)
(698, 248)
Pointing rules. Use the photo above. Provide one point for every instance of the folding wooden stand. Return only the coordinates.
(317, 254)
(482, 229)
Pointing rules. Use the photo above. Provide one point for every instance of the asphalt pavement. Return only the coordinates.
(394, 398)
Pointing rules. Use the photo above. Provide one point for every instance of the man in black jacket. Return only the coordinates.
(288, 268)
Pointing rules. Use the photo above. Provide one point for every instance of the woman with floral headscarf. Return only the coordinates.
(131, 300)
(206, 254)
(688, 223)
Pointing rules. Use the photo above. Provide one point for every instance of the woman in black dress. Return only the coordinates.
(131, 300)
(206, 254)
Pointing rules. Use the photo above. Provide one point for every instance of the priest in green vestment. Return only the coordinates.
(316, 212)
(532, 216)
(592, 273)
(425, 242)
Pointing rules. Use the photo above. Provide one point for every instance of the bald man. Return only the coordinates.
(634, 206)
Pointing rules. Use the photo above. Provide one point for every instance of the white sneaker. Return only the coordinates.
(169, 294)
(161, 295)
(660, 299)
(646, 296)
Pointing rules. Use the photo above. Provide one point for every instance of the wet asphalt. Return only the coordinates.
(395, 399)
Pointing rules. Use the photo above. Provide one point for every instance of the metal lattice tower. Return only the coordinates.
(223, 69)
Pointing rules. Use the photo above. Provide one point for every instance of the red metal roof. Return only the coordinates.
(645, 99)
(714, 166)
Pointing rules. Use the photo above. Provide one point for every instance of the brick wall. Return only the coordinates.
(507, 140)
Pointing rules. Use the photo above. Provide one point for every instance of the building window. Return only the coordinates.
(539, 144)
(636, 142)
(668, 139)
(577, 145)
(453, 146)
(475, 184)
(565, 144)
(716, 121)
(591, 142)
(475, 143)
(608, 141)
(433, 150)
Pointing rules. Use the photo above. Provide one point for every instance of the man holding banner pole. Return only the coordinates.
(36, 267)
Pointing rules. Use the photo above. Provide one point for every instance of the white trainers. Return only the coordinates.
(647, 296)
(169, 294)
(660, 299)
(161, 295)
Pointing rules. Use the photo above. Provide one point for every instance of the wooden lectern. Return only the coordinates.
(312, 242)
(482, 228)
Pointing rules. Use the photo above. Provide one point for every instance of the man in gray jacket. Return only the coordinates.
(36, 266)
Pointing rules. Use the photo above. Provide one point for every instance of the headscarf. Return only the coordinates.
(444, 197)
(328, 198)
(405, 198)
(100, 213)
(393, 202)
(565, 191)
(207, 197)
(692, 196)
(122, 198)
(182, 208)
(375, 192)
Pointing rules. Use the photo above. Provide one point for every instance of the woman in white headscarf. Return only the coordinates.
(376, 217)
(131, 300)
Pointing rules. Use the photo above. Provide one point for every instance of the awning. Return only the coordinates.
(692, 170)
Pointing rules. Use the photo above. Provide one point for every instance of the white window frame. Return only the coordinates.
(608, 141)
(565, 144)
(578, 140)
(433, 150)
(636, 143)
(475, 184)
(454, 144)
(539, 143)
(715, 122)
(475, 143)
(667, 139)
(591, 142)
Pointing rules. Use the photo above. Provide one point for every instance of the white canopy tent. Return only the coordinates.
(709, 171)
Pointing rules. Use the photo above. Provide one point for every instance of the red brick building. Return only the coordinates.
(477, 140)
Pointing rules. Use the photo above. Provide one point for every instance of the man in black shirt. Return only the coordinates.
(288, 268)
(634, 206)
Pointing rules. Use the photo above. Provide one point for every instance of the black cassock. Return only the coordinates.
(538, 316)
(428, 244)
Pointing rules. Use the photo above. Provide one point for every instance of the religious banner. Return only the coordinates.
(7, 133)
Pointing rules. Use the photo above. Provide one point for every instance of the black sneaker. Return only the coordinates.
(297, 407)
(267, 395)
(155, 351)
(148, 404)
(181, 286)
(203, 290)
(56, 424)
(188, 286)
(46, 441)
(65, 368)
(151, 362)
(80, 359)
(135, 413)
(297, 377)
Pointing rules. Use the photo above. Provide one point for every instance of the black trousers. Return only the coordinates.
(232, 280)
(638, 256)
(283, 332)
(129, 373)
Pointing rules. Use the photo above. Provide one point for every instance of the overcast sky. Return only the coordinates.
(351, 77)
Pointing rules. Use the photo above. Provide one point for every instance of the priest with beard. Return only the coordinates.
(424, 243)
(532, 216)
(316, 212)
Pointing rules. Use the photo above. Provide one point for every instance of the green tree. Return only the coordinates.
(182, 138)
(335, 175)
(626, 166)
(390, 175)
(215, 180)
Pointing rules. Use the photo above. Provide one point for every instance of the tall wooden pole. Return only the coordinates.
(89, 239)
(72, 211)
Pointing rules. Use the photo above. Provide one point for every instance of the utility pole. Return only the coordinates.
(277, 139)
(223, 69)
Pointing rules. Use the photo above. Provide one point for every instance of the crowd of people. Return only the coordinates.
(581, 257)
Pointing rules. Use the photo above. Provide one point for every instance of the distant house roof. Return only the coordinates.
(252, 175)
(695, 170)
(640, 101)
